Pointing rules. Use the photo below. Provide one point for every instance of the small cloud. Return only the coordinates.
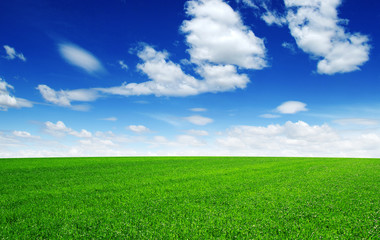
(12, 54)
(268, 115)
(111, 119)
(138, 129)
(289, 46)
(272, 18)
(198, 109)
(59, 129)
(23, 134)
(123, 65)
(291, 107)
(357, 121)
(197, 132)
(79, 57)
(199, 120)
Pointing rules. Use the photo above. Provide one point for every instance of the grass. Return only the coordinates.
(189, 198)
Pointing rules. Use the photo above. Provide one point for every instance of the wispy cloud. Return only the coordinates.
(7, 100)
(80, 57)
(60, 129)
(12, 54)
(357, 121)
(199, 120)
(198, 109)
(111, 119)
(123, 65)
(269, 115)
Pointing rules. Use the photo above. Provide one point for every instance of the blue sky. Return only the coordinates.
(196, 77)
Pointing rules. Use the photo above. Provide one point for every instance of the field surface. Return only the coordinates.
(189, 198)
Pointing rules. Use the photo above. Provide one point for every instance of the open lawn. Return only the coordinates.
(189, 198)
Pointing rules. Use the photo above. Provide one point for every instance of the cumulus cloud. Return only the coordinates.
(59, 129)
(65, 97)
(199, 120)
(79, 57)
(217, 34)
(318, 31)
(12, 54)
(291, 107)
(297, 139)
(7, 100)
(138, 129)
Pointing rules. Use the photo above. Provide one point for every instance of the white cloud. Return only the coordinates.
(7, 100)
(291, 107)
(79, 57)
(289, 46)
(189, 140)
(12, 54)
(138, 128)
(217, 34)
(198, 120)
(248, 3)
(65, 97)
(197, 132)
(272, 18)
(357, 121)
(123, 65)
(198, 109)
(318, 31)
(297, 139)
(59, 129)
(24, 134)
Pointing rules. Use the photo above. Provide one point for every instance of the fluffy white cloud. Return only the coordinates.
(79, 57)
(297, 139)
(12, 54)
(318, 31)
(291, 107)
(199, 120)
(65, 97)
(138, 128)
(217, 34)
(7, 100)
(59, 129)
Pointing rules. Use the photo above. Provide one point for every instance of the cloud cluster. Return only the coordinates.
(59, 129)
(289, 139)
(315, 26)
(218, 43)
(12, 54)
(7, 100)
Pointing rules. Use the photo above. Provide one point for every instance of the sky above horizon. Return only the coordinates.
(196, 77)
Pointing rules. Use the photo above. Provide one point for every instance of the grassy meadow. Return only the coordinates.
(189, 198)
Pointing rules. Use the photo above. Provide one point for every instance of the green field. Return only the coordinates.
(190, 198)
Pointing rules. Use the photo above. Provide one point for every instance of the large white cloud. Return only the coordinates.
(318, 31)
(217, 34)
(7, 100)
(80, 57)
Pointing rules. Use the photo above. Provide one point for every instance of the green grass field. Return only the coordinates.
(190, 198)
